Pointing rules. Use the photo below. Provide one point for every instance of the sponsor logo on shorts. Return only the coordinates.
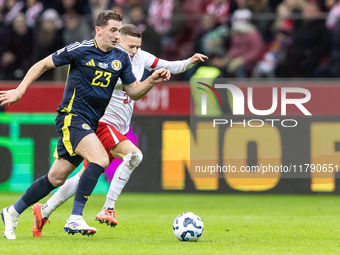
(85, 126)
(116, 65)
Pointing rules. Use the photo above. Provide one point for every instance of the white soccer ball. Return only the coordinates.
(188, 227)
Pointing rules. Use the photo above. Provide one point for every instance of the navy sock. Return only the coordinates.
(38, 190)
(86, 185)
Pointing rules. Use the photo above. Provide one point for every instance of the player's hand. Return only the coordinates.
(198, 57)
(10, 96)
(161, 75)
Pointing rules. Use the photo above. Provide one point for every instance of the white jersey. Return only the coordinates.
(120, 108)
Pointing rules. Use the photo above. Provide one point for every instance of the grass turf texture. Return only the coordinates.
(234, 224)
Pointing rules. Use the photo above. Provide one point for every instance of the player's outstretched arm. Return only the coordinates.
(137, 90)
(12, 96)
(175, 67)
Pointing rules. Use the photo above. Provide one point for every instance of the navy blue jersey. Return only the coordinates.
(92, 77)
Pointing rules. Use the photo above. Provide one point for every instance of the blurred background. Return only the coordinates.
(258, 43)
(243, 38)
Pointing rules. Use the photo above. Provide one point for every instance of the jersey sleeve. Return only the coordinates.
(126, 76)
(67, 54)
(175, 67)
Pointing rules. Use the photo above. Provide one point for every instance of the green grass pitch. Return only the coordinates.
(234, 224)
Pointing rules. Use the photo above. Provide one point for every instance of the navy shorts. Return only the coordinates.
(71, 129)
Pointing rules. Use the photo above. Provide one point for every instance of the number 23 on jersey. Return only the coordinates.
(99, 74)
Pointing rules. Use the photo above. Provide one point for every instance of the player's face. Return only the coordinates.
(109, 35)
(131, 44)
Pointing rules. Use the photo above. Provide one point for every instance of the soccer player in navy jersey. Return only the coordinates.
(94, 68)
(111, 131)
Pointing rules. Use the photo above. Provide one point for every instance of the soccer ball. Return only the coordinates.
(188, 227)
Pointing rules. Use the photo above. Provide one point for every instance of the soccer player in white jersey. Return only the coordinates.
(112, 129)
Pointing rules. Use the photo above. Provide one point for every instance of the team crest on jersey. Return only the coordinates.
(103, 65)
(116, 65)
(86, 127)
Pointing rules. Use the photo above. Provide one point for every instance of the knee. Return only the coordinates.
(133, 159)
(103, 161)
(56, 181)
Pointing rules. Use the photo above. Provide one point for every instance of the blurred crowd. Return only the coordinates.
(243, 38)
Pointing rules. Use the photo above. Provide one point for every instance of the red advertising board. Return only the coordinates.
(173, 98)
(165, 99)
(324, 96)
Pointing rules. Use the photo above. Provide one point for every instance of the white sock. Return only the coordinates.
(121, 177)
(67, 190)
(14, 214)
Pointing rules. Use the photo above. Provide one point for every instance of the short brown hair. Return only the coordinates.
(107, 15)
(131, 30)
